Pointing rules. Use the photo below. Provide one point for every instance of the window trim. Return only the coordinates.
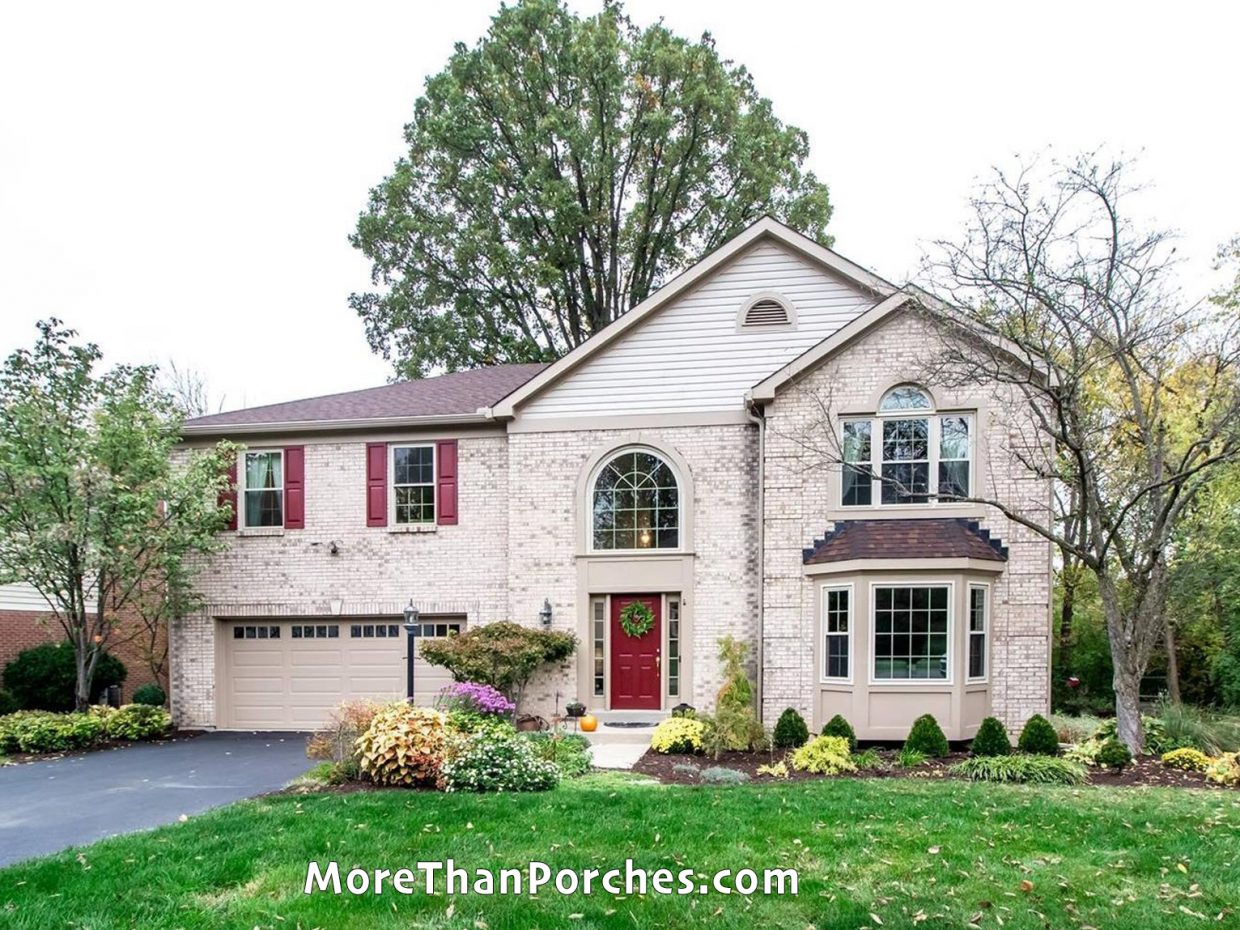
(391, 483)
(950, 679)
(243, 498)
(606, 459)
(984, 678)
(823, 677)
(933, 439)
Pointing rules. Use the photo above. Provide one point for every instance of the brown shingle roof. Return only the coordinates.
(460, 393)
(905, 539)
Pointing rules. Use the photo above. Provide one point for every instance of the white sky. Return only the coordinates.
(178, 181)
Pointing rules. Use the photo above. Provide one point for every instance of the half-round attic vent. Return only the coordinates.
(767, 312)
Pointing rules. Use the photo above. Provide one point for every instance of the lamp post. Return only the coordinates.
(411, 633)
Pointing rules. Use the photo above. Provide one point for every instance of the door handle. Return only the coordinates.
(658, 661)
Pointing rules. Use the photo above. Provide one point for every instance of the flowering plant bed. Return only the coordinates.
(686, 769)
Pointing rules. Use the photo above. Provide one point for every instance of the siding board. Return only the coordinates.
(690, 358)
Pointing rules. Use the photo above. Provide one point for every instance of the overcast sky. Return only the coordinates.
(178, 180)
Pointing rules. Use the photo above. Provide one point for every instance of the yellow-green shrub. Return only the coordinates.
(824, 755)
(138, 722)
(1225, 770)
(404, 745)
(1191, 760)
(678, 734)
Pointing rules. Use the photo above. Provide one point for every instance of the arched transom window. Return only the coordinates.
(636, 503)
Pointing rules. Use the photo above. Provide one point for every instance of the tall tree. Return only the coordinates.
(1134, 392)
(556, 173)
(94, 513)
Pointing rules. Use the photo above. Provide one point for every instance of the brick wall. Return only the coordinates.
(457, 569)
(21, 629)
(801, 489)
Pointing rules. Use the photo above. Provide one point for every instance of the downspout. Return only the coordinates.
(760, 421)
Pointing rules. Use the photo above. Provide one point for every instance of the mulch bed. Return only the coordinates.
(686, 770)
(20, 758)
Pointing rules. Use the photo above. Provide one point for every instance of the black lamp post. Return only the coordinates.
(411, 633)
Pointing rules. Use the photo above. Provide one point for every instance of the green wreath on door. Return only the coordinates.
(636, 620)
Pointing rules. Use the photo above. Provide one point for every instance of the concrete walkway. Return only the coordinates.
(619, 747)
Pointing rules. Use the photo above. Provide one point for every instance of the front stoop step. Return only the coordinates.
(608, 732)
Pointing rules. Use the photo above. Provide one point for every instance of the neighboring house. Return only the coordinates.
(663, 462)
(26, 620)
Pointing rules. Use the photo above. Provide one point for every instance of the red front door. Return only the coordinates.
(636, 682)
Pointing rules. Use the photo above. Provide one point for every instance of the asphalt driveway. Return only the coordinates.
(48, 806)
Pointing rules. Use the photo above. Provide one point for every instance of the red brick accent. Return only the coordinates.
(21, 629)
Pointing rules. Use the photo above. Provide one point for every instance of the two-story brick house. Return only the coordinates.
(662, 464)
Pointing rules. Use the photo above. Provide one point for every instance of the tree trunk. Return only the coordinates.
(1173, 666)
(81, 690)
(1067, 607)
(1128, 710)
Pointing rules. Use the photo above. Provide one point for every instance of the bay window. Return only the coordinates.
(837, 634)
(978, 623)
(911, 637)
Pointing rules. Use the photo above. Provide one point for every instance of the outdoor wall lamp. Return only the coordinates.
(545, 614)
(411, 633)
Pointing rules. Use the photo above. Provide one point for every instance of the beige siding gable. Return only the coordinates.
(691, 356)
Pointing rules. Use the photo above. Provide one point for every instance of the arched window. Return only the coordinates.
(905, 454)
(636, 503)
(905, 397)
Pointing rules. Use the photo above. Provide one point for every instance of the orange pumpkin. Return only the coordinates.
(589, 723)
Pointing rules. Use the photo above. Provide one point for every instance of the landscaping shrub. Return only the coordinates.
(404, 745)
(774, 770)
(824, 755)
(721, 776)
(1075, 729)
(336, 740)
(1225, 770)
(1039, 737)
(503, 655)
(1183, 726)
(869, 760)
(152, 695)
(1036, 769)
(8, 703)
(838, 726)
(908, 758)
(678, 734)
(991, 740)
(927, 736)
(735, 725)
(790, 730)
(569, 751)
(484, 762)
(1190, 760)
(45, 731)
(44, 677)
(1113, 755)
(137, 722)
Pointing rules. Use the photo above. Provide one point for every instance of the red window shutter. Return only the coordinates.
(445, 498)
(229, 496)
(376, 483)
(294, 487)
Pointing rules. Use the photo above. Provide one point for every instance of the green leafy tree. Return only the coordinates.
(557, 172)
(94, 513)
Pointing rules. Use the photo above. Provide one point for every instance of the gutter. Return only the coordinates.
(760, 421)
(482, 416)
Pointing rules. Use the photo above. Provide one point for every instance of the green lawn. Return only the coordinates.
(904, 852)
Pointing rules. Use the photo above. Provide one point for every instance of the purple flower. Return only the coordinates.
(475, 697)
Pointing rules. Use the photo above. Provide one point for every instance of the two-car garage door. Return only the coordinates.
(289, 675)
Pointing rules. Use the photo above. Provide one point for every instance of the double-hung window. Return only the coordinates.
(914, 455)
(837, 634)
(264, 488)
(979, 620)
(413, 484)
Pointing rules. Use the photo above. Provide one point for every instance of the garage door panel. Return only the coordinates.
(286, 681)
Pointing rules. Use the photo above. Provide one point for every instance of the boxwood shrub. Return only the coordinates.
(991, 740)
(927, 736)
(1039, 737)
(790, 730)
(838, 726)
(152, 695)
